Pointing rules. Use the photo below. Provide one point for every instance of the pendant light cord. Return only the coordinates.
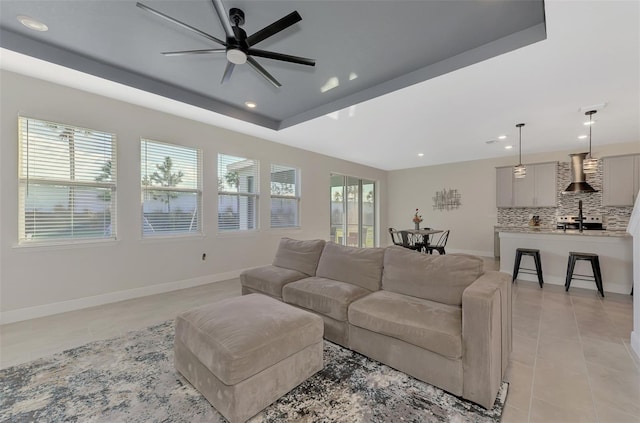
(590, 125)
(520, 125)
(520, 146)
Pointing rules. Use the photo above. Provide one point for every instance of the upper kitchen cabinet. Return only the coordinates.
(620, 180)
(546, 184)
(537, 189)
(504, 186)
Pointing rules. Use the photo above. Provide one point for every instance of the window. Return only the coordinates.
(237, 193)
(285, 197)
(171, 189)
(67, 178)
(352, 211)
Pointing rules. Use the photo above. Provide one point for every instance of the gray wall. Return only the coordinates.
(43, 280)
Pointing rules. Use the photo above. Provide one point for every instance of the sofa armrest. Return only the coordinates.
(486, 336)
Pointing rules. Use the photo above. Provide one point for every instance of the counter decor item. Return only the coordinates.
(417, 218)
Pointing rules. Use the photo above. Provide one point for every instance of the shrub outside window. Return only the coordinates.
(171, 189)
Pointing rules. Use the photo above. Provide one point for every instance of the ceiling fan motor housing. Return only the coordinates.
(236, 16)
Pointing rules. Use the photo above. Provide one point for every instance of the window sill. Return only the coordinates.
(60, 245)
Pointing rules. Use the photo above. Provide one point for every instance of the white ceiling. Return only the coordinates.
(591, 56)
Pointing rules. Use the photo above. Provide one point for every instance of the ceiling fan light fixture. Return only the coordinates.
(519, 170)
(236, 56)
(590, 164)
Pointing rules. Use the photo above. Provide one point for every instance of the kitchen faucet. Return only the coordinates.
(580, 217)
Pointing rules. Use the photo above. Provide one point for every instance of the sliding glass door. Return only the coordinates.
(352, 211)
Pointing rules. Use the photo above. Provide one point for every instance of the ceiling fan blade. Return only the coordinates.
(181, 24)
(190, 52)
(262, 71)
(227, 72)
(224, 18)
(283, 57)
(274, 28)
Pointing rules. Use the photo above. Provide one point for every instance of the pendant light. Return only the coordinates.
(520, 171)
(590, 164)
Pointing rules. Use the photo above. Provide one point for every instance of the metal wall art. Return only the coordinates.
(447, 199)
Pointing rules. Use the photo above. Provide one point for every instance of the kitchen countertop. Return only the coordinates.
(554, 231)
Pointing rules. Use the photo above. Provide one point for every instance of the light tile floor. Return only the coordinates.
(571, 357)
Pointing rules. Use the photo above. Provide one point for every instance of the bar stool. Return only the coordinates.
(595, 267)
(535, 253)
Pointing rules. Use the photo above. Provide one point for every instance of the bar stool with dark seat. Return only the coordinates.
(535, 253)
(595, 266)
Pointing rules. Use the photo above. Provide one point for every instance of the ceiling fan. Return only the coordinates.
(238, 47)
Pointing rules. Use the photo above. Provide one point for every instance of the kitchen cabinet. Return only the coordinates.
(537, 189)
(504, 186)
(620, 180)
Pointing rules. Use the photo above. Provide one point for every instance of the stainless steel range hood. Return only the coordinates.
(578, 181)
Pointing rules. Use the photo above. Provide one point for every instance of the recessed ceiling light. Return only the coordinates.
(32, 23)
(250, 104)
(420, 154)
(581, 137)
(508, 147)
(590, 122)
(502, 137)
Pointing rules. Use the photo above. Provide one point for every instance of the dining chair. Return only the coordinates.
(409, 241)
(426, 238)
(439, 246)
(395, 237)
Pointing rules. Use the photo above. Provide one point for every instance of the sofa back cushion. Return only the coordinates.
(440, 278)
(298, 255)
(358, 266)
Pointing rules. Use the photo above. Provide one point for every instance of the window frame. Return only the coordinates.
(147, 189)
(295, 196)
(255, 195)
(102, 139)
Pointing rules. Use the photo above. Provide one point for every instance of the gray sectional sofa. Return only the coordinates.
(440, 319)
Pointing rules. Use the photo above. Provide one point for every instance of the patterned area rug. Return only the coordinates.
(132, 379)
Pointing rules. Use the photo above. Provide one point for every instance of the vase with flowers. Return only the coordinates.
(417, 218)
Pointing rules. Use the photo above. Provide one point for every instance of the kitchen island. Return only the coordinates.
(613, 247)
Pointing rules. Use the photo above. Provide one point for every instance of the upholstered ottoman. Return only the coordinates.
(243, 353)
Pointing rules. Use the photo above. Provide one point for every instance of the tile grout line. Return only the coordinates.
(593, 402)
(535, 360)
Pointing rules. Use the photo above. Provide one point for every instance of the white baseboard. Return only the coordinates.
(111, 297)
(635, 342)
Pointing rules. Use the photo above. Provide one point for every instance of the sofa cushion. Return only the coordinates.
(359, 266)
(325, 296)
(432, 277)
(299, 255)
(269, 279)
(427, 324)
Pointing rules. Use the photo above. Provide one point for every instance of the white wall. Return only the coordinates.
(42, 280)
(634, 230)
(472, 224)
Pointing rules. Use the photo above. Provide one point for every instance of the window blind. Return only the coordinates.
(171, 177)
(285, 199)
(238, 182)
(67, 182)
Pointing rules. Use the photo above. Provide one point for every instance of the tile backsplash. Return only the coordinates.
(613, 218)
